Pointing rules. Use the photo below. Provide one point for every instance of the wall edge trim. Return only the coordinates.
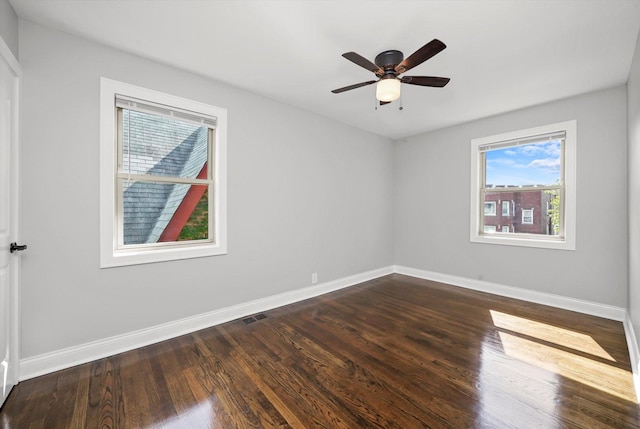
(11, 59)
(634, 353)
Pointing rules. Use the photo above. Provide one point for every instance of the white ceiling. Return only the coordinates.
(501, 55)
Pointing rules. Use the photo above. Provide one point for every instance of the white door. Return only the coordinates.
(9, 262)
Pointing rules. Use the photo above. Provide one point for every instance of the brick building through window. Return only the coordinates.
(528, 212)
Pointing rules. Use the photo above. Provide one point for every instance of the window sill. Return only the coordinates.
(509, 239)
(122, 258)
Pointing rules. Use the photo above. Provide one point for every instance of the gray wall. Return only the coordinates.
(305, 194)
(9, 26)
(633, 123)
(432, 186)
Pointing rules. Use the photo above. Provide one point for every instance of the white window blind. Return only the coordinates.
(543, 138)
(169, 112)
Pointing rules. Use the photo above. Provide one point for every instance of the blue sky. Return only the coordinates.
(531, 164)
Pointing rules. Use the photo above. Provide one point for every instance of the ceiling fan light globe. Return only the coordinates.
(388, 89)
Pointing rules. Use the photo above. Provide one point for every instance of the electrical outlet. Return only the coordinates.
(314, 278)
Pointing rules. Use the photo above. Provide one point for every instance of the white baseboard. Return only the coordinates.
(581, 306)
(61, 359)
(634, 353)
(66, 358)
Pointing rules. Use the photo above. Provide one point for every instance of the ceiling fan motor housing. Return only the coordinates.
(389, 59)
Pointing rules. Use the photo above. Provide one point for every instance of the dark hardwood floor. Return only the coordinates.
(396, 352)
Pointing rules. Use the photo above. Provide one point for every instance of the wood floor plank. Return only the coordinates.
(81, 405)
(395, 352)
(134, 371)
(314, 404)
(236, 392)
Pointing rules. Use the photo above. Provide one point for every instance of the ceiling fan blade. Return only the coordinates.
(438, 82)
(363, 62)
(354, 86)
(421, 55)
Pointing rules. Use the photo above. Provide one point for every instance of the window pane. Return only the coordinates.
(532, 212)
(161, 146)
(490, 208)
(505, 208)
(161, 212)
(524, 165)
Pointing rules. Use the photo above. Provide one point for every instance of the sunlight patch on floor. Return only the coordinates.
(549, 333)
(590, 372)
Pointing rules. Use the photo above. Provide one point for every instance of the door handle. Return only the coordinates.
(15, 247)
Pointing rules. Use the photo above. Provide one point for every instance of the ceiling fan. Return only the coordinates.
(389, 65)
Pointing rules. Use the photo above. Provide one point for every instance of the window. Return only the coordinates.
(531, 172)
(490, 208)
(163, 177)
(505, 208)
(489, 229)
(505, 228)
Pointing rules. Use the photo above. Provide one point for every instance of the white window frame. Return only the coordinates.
(113, 255)
(491, 213)
(567, 239)
(523, 221)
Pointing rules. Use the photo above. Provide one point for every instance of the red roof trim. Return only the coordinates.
(183, 213)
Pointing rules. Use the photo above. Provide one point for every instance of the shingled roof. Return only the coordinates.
(161, 147)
